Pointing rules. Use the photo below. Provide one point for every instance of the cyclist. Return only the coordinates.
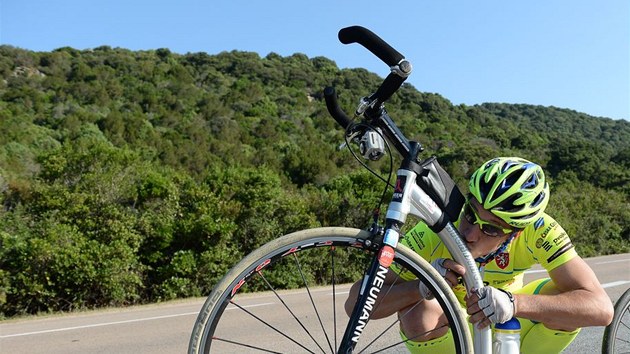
(505, 227)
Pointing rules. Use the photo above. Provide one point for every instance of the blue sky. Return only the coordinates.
(564, 53)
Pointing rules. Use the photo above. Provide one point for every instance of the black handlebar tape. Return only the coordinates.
(365, 37)
(330, 96)
(390, 85)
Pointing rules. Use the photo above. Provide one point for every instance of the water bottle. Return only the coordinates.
(507, 337)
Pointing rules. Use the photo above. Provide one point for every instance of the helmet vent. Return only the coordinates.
(531, 182)
(506, 166)
(539, 199)
(508, 204)
(485, 187)
(510, 181)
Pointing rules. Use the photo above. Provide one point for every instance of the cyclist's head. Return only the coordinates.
(511, 188)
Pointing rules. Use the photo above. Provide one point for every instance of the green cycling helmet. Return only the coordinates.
(511, 188)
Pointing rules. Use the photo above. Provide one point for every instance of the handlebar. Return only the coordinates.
(333, 108)
(399, 66)
(367, 38)
(400, 70)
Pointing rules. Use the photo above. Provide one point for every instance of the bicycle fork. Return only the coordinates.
(372, 284)
(400, 206)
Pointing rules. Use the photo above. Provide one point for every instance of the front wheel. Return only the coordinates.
(617, 333)
(288, 296)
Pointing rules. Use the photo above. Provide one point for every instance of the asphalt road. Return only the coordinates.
(165, 328)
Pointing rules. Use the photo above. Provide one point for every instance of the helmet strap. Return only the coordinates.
(490, 256)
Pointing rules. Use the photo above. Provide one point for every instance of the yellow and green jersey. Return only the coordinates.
(543, 242)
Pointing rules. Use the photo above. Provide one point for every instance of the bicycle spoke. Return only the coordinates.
(290, 311)
(379, 336)
(622, 340)
(270, 326)
(396, 343)
(624, 324)
(383, 297)
(427, 332)
(297, 262)
(402, 341)
(622, 330)
(332, 262)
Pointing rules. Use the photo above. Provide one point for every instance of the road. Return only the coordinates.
(165, 328)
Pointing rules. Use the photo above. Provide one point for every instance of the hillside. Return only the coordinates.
(139, 176)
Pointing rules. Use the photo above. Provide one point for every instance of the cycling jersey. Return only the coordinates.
(535, 337)
(544, 242)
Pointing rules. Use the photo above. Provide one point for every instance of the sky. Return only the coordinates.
(564, 53)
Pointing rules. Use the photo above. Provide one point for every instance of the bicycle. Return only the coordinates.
(332, 256)
(617, 333)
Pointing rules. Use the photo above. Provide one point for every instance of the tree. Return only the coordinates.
(138, 176)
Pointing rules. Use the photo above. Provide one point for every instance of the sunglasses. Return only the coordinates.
(487, 228)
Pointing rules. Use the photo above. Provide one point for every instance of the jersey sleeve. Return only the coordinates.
(421, 240)
(549, 243)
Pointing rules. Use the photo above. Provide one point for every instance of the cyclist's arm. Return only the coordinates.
(401, 293)
(578, 299)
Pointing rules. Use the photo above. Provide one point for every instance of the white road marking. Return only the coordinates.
(605, 262)
(617, 261)
(99, 325)
(232, 307)
(615, 283)
(118, 322)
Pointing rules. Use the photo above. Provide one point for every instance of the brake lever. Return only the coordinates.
(351, 137)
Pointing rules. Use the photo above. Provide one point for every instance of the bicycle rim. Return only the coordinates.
(617, 334)
(288, 296)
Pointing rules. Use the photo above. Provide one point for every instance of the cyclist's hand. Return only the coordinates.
(447, 268)
(489, 305)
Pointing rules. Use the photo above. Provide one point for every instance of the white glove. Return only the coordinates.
(496, 304)
(438, 264)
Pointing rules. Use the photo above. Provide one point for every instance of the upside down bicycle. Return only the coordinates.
(320, 262)
(301, 279)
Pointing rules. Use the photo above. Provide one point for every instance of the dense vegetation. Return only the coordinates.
(130, 177)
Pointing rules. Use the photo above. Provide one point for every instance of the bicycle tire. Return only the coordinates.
(617, 333)
(205, 336)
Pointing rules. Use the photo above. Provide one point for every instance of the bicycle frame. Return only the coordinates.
(407, 199)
